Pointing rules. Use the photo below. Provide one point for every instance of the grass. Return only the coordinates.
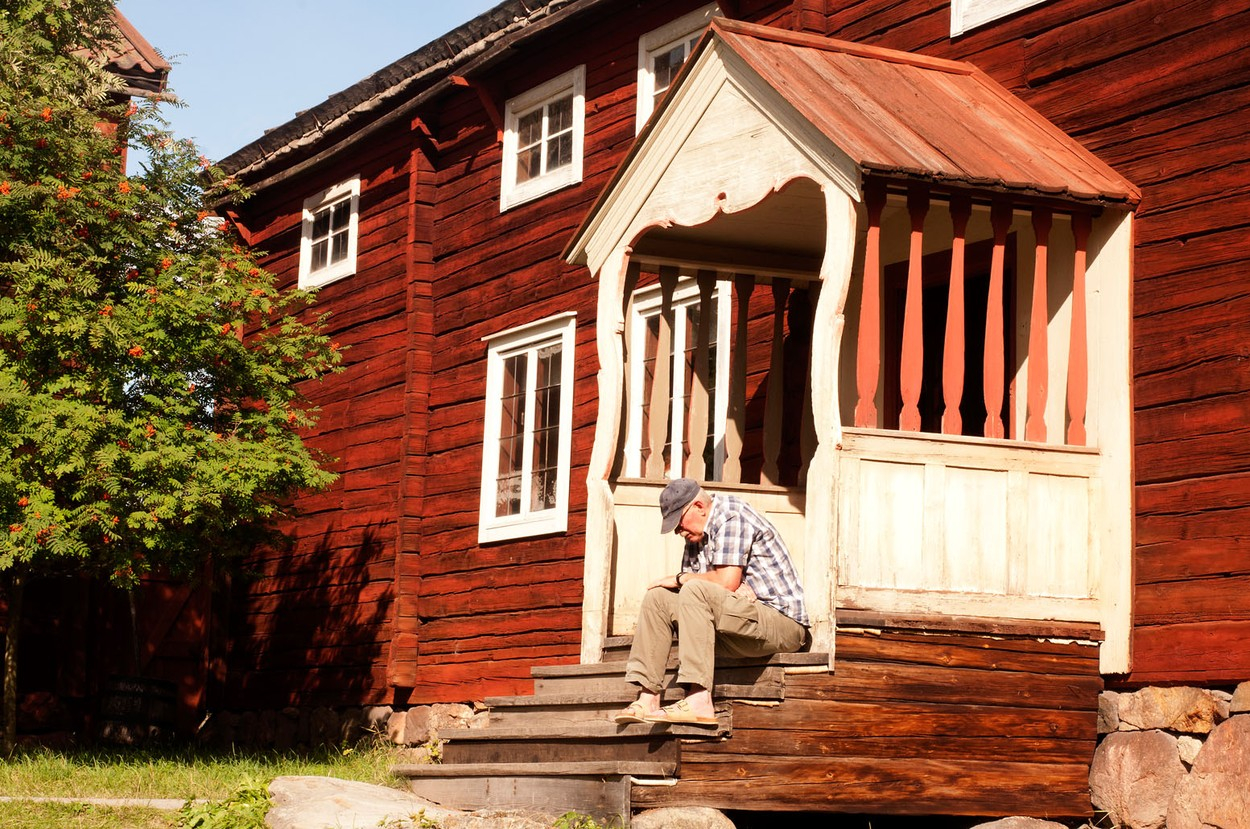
(177, 773)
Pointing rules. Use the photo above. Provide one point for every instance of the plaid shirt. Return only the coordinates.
(738, 535)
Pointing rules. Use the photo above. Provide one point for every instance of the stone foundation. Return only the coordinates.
(1174, 758)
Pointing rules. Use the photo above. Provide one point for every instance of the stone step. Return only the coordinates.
(597, 788)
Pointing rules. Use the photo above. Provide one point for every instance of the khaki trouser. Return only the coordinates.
(710, 620)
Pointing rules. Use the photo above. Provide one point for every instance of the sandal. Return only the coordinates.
(680, 713)
(634, 712)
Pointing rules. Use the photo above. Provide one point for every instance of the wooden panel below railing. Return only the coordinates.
(641, 555)
(962, 526)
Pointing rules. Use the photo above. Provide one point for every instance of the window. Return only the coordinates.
(968, 14)
(542, 140)
(328, 239)
(528, 430)
(662, 52)
(644, 339)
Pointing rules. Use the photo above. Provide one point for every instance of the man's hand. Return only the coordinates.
(668, 582)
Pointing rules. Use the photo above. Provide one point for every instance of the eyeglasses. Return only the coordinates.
(678, 529)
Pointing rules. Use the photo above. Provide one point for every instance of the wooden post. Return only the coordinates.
(911, 368)
(953, 350)
(1078, 348)
(1039, 318)
(995, 342)
(808, 438)
(661, 381)
(774, 405)
(696, 423)
(735, 428)
(868, 348)
(631, 442)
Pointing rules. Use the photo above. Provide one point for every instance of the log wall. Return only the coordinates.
(1159, 89)
(911, 722)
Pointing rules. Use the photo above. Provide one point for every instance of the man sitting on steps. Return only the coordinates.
(737, 594)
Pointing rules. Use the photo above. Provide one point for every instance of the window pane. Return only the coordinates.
(319, 250)
(508, 495)
(321, 223)
(546, 428)
(560, 115)
(665, 65)
(339, 252)
(528, 164)
(560, 152)
(530, 128)
(340, 215)
(511, 437)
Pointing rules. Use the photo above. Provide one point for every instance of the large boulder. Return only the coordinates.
(1216, 792)
(1020, 823)
(308, 802)
(1240, 703)
(1133, 776)
(1185, 710)
(682, 817)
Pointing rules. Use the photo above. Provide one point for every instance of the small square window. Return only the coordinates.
(543, 136)
(328, 237)
(528, 430)
(661, 54)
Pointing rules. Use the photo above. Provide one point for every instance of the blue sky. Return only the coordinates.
(244, 66)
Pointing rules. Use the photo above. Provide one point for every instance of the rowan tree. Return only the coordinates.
(150, 410)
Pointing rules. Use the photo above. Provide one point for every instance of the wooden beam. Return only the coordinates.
(488, 101)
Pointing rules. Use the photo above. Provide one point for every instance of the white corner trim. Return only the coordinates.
(969, 14)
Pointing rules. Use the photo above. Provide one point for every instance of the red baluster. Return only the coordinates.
(953, 350)
(995, 343)
(868, 351)
(1039, 317)
(911, 370)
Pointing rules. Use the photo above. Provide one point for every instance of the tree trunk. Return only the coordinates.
(16, 587)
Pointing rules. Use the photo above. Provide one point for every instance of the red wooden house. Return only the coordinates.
(950, 289)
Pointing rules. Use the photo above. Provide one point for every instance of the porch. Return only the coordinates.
(918, 371)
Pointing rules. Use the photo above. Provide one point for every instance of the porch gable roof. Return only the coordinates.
(888, 112)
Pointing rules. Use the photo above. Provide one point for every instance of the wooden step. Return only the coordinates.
(553, 708)
(597, 742)
(610, 675)
(585, 741)
(732, 681)
(597, 788)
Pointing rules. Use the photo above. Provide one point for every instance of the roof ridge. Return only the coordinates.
(828, 44)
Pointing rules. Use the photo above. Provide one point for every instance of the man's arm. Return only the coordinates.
(728, 576)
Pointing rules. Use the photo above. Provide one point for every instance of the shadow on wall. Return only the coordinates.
(307, 624)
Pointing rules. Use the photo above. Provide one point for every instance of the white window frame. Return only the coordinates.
(966, 15)
(648, 303)
(529, 338)
(511, 193)
(661, 40)
(333, 272)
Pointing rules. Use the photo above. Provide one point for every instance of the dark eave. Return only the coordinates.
(141, 67)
